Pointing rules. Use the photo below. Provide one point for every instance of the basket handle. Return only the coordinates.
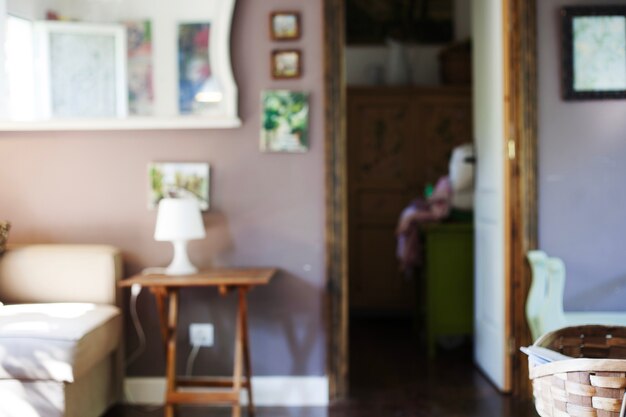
(623, 409)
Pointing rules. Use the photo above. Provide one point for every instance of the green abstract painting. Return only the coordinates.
(284, 121)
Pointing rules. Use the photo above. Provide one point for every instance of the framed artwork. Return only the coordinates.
(285, 121)
(286, 63)
(139, 62)
(285, 26)
(117, 68)
(194, 69)
(178, 180)
(594, 52)
(82, 71)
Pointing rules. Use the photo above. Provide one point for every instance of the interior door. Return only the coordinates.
(491, 244)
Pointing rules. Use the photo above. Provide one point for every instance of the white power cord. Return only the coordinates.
(135, 290)
(191, 359)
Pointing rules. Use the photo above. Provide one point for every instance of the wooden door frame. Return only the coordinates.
(521, 78)
(523, 227)
(336, 168)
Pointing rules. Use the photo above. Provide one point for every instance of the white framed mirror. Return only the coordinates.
(116, 64)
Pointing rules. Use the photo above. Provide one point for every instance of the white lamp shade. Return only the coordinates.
(179, 219)
(210, 92)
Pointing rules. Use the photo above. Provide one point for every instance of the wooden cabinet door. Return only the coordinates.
(379, 129)
(443, 121)
(399, 140)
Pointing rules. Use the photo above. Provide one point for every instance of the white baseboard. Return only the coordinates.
(269, 391)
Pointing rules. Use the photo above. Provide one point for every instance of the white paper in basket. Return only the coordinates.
(541, 356)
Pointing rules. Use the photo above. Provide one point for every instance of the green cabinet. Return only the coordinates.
(449, 281)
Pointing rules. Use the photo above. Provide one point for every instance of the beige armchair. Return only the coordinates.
(60, 330)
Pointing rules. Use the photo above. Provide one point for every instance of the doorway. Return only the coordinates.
(410, 228)
(521, 223)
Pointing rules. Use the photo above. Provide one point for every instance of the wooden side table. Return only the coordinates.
(165, 288)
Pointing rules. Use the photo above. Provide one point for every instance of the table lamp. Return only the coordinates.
(179, 221)
(210, 92)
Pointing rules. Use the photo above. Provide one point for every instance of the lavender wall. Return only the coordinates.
(582, 172)
(267, 209)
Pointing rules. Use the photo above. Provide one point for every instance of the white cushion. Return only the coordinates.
(58, 341)
(58, 273)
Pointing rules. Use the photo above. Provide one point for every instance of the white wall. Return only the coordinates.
(581, 172)
(34, 9)
(266, 209)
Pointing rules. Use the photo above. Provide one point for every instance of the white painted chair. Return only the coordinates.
(538, 292)
(544, 305)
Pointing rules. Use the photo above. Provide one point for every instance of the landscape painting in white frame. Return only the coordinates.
(82, 71)
(179, 180)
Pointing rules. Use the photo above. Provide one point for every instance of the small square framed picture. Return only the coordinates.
(594, 52)
(285, 26)
(286, 63)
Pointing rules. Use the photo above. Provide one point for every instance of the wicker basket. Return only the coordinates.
(594, 384)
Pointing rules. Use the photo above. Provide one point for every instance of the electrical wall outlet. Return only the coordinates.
(201, 334)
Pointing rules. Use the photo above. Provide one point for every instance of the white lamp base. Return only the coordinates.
(181, 265)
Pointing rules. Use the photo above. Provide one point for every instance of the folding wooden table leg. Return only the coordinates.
(160, 295)
(171, 351)
(243, 292)
(237, 371)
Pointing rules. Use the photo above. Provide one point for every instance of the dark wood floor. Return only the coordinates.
(391, 377)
